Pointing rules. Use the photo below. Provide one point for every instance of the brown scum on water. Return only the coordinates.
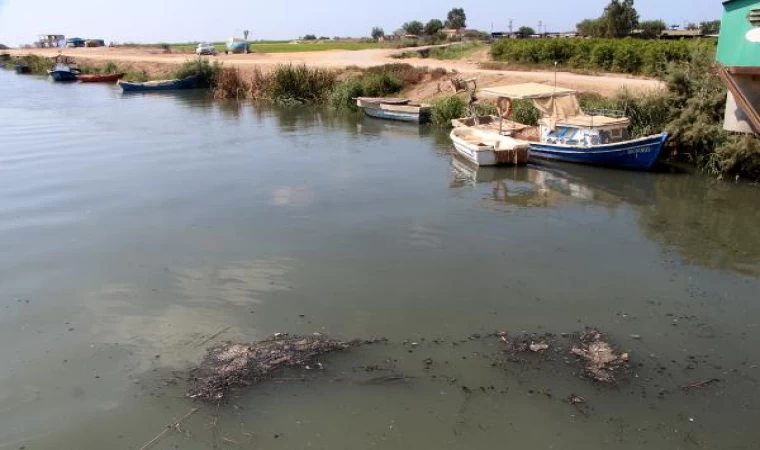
(231, 365)
(598, 358)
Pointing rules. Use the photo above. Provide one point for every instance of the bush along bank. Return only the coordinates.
(632, 56)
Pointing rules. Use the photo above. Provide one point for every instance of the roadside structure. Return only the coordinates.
(50, 41)
(739, 64)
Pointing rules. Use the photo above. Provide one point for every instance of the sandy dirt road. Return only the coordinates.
(154, 59)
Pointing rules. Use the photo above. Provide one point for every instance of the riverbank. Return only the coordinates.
(154, 61)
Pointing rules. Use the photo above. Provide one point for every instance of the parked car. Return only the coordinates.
(205, 49)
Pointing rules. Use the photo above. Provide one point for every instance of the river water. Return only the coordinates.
(134, 229)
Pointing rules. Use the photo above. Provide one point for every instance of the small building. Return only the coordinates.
(681, 34)
(50, 41)
(739, 64)
(75, 42)
(454, 33)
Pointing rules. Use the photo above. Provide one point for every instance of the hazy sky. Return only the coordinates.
(199, 20)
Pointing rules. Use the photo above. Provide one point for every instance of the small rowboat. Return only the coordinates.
(164, 85)
(100, 77)
(394, 109)
(487, 148)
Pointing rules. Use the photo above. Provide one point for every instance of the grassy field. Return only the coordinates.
(287, 46)
(457, 51)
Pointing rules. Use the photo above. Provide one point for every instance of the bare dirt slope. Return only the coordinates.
(145, 59)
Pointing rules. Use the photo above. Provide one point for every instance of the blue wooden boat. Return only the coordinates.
(636, 154)
(63, 73)
(568, 133)
(164, 85)
(394, 109)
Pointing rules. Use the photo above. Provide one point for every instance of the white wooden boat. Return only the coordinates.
(488, 148)
(394, 109)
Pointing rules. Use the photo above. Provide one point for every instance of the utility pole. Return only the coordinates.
(510, 26)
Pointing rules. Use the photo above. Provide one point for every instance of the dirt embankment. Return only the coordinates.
(154, 61)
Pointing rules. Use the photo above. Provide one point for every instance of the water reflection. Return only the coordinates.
(231, 109)
(528, 187)
(384, 128)
(714, 224)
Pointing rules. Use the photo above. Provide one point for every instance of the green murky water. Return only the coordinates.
(133, 228)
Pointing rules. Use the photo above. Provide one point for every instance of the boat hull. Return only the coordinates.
(156, 86)
(62, 75)
(394, 115)
(638, 154)
(101, 78)
(487, 156)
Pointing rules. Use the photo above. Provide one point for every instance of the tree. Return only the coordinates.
(620, 18)
(591, 28)
(456, 19)
(651, 29)
(710, 27)
(433, 27)
(377, 33)
(310, 37)
(524, 32)
(414, 27)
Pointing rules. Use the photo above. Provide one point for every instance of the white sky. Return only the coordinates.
(196, 20)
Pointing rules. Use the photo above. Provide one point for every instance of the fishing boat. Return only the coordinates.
(100, 77)
(567, 133)
(63, 73)
(394, 109)
(487, 148)
(163, 85)
(23, 69)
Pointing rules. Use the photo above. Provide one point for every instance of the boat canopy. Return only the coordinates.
(594, 121)
(528, 91)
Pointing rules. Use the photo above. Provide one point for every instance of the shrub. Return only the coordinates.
(38, 65)
(523, 111)
(342, 97)
(446, 109)
(110, 67)
(204, 70)
(301, 84)
(229, 84)
(367, 85)
(406, 73)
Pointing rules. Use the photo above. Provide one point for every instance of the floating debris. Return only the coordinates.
(700, 384)
(536, 343)
(229, 365)
(601, 362)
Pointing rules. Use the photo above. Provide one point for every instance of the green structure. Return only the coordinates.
(739, 64)
(739, 44)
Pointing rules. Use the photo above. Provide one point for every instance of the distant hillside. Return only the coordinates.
(3, 47)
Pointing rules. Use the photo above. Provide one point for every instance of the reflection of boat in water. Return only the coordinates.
(377, 127)
(540, 186)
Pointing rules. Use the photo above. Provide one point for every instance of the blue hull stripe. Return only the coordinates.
(636, 154)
